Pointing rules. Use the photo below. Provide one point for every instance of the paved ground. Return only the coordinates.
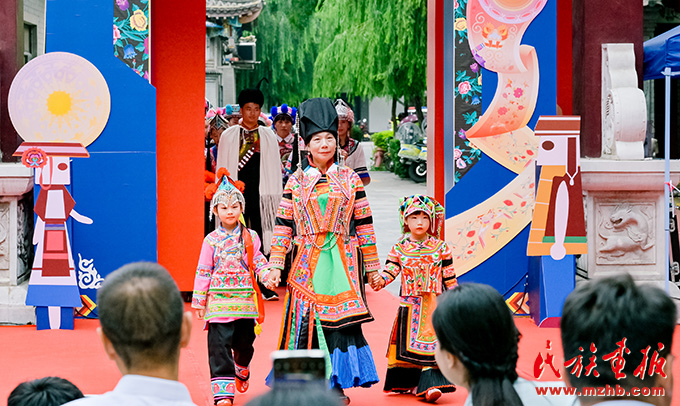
(384, 193)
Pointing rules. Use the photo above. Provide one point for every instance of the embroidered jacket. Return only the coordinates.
(425, 266)
(356, 158)
(223, 283)
(300, 215)
(299, 211)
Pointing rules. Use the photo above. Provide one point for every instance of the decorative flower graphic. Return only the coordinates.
(460, 24)
(467, 92)
(116, 34)
(138, 20)
(129, 51)
(123, 4)
(34, 158)
(464, 87)
(133, 47)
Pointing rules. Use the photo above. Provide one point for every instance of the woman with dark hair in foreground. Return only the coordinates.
(478, 349)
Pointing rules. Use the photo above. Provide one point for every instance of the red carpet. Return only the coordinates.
(78, 356)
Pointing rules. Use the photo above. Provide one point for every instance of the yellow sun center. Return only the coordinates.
(59, 103)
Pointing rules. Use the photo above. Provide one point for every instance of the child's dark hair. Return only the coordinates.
(473, 323)
(49, 391)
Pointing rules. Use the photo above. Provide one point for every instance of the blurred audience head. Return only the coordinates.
(143, 323)
(49, 391)
(601, 317)
(477, 343)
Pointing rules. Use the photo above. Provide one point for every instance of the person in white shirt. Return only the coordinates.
(143, 327)
(628, 329)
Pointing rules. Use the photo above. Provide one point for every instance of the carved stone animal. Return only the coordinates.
(629, 232)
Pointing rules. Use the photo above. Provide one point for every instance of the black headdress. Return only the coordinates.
(253, 95)
(250, 96)
(317, 115)
(314, 115)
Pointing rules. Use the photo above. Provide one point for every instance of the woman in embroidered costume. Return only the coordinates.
(226, 293)
(325, 304)
(426, 267)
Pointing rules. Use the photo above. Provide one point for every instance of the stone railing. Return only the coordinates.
(16, 248)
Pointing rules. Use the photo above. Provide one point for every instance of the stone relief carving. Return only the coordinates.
(25, 238)
(624, 111)
(625, 233)
(4, 242)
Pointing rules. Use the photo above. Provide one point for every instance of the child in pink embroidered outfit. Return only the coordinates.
(226, 293)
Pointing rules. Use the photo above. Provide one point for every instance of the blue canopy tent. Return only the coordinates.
(662, 60)
(661, 52)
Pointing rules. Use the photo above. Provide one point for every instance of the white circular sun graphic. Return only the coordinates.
(59, 97)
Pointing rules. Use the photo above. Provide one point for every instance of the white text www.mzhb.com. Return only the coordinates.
(600, 391)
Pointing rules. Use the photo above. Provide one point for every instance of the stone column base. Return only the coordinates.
(12, 307)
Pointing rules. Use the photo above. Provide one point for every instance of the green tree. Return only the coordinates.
(365, 48)
(373, 48)
(286, 32)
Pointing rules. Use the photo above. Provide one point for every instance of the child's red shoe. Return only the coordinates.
(432, 395)
(241, 385)
(242, 378)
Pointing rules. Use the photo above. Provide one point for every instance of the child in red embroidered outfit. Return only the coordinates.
(226, 292)
(426, 267)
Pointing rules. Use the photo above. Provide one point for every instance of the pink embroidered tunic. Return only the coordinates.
(223, 284)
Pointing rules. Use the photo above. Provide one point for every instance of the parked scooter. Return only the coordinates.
(413, 151)
(415, 157)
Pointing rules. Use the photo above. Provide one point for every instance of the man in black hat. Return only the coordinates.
(250, 153)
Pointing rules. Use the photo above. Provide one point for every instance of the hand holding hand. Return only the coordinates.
(273, 279)
(376, 281)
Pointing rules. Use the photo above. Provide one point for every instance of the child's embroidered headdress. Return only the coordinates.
(225, 191)
(431, 207)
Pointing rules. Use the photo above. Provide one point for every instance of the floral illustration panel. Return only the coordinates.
(131, 28)
(467, 94)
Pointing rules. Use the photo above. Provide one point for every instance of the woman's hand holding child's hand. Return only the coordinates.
(376, 281)
(273, 279)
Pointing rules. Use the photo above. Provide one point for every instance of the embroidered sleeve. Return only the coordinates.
(392, 266)
(283, 228)
(359, 163)
(364, 227)
(203, 274)
(448, 273)
(259, 259)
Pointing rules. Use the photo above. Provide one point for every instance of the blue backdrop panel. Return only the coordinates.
(550, 282)
(116, 186)
(124, 223)
(505, 268)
